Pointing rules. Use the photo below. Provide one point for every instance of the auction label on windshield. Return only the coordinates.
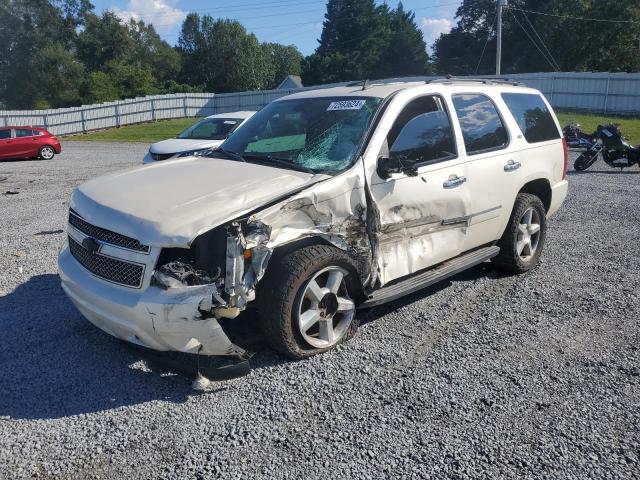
(346, 105)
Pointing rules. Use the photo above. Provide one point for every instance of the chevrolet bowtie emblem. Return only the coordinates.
(91, 244)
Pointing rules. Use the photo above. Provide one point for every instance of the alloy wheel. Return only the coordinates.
(325, 309)
(528, 234)
(47, 153)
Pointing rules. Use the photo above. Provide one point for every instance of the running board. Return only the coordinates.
(429, 277)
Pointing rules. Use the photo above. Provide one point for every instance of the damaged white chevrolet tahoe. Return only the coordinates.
(324, 201)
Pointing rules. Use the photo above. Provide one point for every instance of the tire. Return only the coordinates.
(285, 295)
(515, 257)
(585, 160)
(46, 152)
(580, 163)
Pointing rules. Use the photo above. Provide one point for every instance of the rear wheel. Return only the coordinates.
(308, 301)
(522, 242)
(46, 153)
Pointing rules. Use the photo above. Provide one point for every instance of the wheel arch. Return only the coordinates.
(361, 262)
(541, 188)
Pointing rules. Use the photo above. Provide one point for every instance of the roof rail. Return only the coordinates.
(486, 81)
(364, 83)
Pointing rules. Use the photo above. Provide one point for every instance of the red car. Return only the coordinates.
(28, 142)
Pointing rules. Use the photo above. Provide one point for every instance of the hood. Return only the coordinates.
(177, 145)
(170, 203)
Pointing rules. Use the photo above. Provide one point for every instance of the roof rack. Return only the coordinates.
(364, 83)
(486, 81)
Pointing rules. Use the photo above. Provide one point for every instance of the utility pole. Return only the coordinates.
(501, 5)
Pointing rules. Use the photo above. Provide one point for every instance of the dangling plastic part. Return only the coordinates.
(201, 383)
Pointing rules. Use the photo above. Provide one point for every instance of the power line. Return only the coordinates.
(541, 41)
(270, 5)
(568, 17)
(533, 41)
(485, 43)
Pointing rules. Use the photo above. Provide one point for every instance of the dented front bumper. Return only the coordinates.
(172, 319)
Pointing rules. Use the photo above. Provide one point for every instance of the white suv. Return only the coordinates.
(324, 201)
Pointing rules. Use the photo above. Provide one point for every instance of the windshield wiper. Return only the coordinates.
(230, 154)
(283, 162)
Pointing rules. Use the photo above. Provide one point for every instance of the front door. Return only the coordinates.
(421, 210)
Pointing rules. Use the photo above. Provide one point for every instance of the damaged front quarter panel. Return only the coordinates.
(334, 210)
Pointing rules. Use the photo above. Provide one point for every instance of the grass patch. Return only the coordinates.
(141, 132)
(163, 129)
(589, 122)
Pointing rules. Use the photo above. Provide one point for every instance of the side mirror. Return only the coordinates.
(396, 163)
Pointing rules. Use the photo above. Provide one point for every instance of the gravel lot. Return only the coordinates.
(483, 376)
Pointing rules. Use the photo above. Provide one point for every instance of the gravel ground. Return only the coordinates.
(483, 376)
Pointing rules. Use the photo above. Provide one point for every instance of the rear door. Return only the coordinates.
(540, 151)
(489, 153)
(25, 143)
(6, 143)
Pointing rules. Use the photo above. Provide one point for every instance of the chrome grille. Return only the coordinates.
(108, 268)
(106, 236)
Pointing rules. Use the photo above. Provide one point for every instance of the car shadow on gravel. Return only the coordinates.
(54, 363)
(470, 275)
(609, 172)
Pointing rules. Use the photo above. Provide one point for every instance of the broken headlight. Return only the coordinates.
(181, 273)
(194, 153)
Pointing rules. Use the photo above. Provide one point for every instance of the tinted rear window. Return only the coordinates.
(482, 127)
(532, 115)
(5, 133)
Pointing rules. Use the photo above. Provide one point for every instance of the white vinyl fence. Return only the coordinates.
(612, 93)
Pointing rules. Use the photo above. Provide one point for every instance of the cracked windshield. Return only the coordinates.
(310, 134)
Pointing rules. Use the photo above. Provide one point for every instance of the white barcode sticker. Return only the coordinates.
(346, 105)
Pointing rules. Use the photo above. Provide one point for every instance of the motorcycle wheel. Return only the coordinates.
(580, 164)
(585, 160)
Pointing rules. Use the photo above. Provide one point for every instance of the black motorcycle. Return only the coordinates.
(576, 138)
(609, 144)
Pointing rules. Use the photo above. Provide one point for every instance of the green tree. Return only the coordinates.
(354, 34)
(99, 87)
(361, 40)
(131, 80)
(27, 27)
(406, 51)
(222, 57)
(287, 60)
(574, 44)
(58, 76)
(150, 51)
(105, 39)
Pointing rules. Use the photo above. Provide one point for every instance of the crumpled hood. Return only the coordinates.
(177, 145)
(170, 203)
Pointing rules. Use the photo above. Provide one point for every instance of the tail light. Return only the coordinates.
(565, 152)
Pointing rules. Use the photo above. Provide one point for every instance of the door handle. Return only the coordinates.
(454, 181)
(511, 166)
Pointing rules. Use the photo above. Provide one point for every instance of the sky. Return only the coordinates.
(297, 22)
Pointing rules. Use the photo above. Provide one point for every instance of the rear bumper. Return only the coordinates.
(558, 194)
(57, 147)
(152, 317)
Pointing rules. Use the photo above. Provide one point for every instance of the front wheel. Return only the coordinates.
(46, 152)
(522, 241)
(308, 301)
(584, 161)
